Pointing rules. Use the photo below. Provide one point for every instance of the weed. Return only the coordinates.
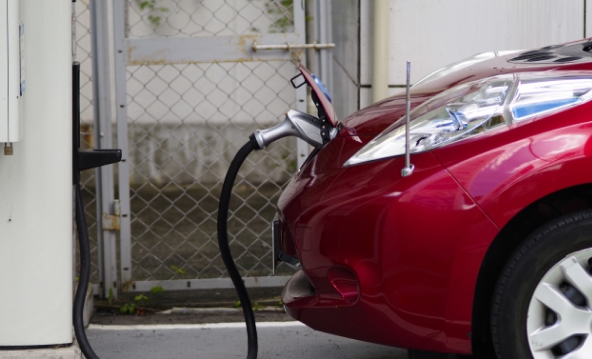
(156, 290)
(282, 11)
(178, 270)
(154, 12)
(128, 308)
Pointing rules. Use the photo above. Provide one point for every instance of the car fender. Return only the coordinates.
(506, 179)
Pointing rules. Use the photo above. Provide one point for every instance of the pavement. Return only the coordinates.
(286, 340)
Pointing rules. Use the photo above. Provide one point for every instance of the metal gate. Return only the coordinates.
(190, 88)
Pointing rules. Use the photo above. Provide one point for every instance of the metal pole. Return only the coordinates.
(120, 48)
(302, 147)
(408, 170)
(102, 112)
(323, 23)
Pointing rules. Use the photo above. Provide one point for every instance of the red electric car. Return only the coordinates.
(486, 247)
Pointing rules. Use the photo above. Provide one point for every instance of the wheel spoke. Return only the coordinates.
(583, 352)
(578, 277)
(546, 338)
(555, 300)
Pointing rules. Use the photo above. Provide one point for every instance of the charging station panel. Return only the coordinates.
(11, 70)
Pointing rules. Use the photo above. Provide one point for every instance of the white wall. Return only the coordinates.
(433, 33)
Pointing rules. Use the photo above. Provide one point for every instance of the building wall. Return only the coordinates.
(345, 16)
(434, 33)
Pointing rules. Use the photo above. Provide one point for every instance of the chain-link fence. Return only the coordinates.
(185, 124)
(182, 18)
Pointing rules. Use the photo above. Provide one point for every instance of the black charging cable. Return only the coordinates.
(83, 278)
(83, 160)
(98, 158)
(237, 280)
(241, 290)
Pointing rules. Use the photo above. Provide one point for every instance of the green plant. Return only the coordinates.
(282, 11)
(141, 299)
(237, 304)
(156, 290)
(178, 270)
(154, 12)
(128, 308)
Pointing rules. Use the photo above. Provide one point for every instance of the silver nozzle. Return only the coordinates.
(302, 125)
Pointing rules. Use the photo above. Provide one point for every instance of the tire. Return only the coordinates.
(542, 304)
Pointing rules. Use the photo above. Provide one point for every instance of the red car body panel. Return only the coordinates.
(388, 231)
(416, 244)
(517, 166)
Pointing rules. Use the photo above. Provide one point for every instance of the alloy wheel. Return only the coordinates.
(559, 323)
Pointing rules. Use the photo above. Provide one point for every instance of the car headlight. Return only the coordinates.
(476, 107)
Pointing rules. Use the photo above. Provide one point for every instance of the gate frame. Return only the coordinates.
(105, 186)
(171, 50)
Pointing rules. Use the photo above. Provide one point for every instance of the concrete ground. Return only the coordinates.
(286, 340)
(188, 332)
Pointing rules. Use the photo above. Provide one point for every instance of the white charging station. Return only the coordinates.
(35, 173)
(12, 73)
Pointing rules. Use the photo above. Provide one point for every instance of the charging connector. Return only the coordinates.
(308, 128)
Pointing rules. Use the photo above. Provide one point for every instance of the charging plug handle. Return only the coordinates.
(308, 128)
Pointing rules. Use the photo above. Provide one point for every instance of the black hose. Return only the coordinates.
(225, 247)
(83, 278)
(241, 290)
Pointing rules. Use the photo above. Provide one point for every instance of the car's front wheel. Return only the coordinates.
(542, 306)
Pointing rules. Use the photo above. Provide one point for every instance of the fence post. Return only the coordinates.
(102, 117)
(120, 52)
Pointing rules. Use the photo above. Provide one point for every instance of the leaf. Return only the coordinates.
(144, 4)
(157, 289)
(132, 308)
(154, 20)
(123, 309)
(177, 269)
(237, 304)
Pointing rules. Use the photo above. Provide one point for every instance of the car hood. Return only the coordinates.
(374, 119)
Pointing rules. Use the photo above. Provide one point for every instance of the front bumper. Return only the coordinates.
(384, 259)
(361, 320)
